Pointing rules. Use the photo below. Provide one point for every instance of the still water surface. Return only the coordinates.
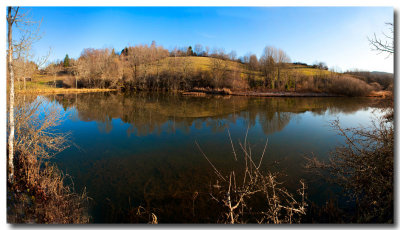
(139, 149)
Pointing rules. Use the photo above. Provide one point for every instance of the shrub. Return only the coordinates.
(376, 86)
(349, 86)
(364, 168)
(39, 193)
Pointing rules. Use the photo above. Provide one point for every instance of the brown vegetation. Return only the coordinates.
(346, 85)
(382, 94)
(379, 81)
(239, 194)
(39, 192)
(364, 168)
(154, 68)
(62, 90)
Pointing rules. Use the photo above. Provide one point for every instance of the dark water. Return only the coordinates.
(139, 149)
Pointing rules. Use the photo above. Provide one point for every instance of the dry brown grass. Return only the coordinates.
(49, 201)
(39, 192)
(222, 91)
(349, 86)
(381, 93)
(61, 91)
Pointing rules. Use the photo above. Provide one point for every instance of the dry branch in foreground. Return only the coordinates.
(238, 194)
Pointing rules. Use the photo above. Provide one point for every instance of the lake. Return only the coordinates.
(139, 150)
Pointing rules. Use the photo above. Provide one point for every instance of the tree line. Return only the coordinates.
(152, 67)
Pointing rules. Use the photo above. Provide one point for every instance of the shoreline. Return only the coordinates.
(374, 94)
(284, 94)
(62, 91)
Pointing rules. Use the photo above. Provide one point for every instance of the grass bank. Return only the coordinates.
(61, 90)
(41, 84)
(225, 91)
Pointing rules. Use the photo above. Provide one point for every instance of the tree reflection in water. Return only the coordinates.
(153, 162)
(148, 112)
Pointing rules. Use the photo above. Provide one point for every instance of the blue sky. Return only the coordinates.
(334, 35)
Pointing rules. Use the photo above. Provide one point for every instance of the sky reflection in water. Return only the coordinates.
(141, 147)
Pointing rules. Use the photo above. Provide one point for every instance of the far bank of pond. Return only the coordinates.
(198, 92)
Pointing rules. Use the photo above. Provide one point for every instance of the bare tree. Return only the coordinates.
(23, 69)
(11, 18)
(53, 69)
(232, 55)
(385, 45)
(187, 68)
(28, 29)
(94, 66)
(236, 81)
(268, 64)
(253, 62)
(282, 60)
(219, 69)
(207, 51)
(198, 48)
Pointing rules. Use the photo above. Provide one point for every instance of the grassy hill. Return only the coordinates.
(205, 63)
(293, 77)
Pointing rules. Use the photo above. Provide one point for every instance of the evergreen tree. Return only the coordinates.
(66, 61)
(189, 51)
(124, 51)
